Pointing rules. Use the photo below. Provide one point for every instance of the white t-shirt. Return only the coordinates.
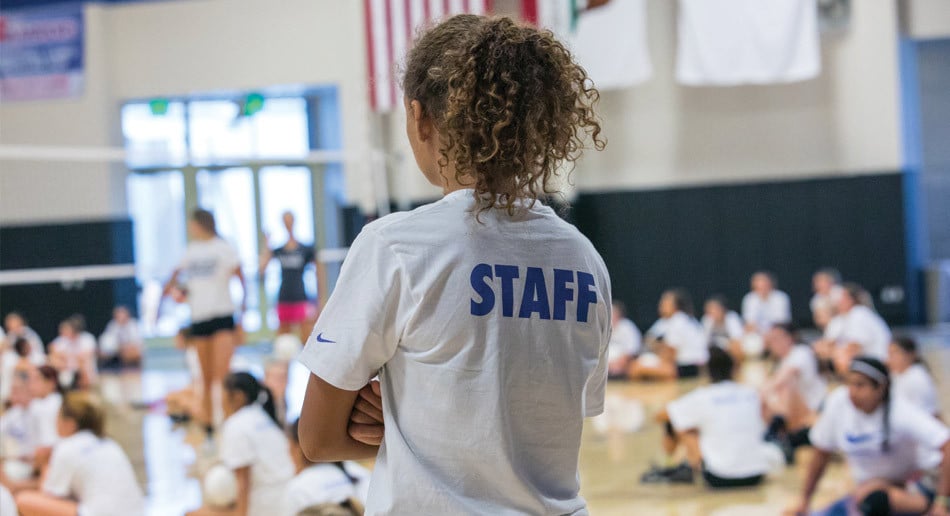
(208, 266)
(765, 313)
(16, 439)
(486, 336)
(684, 334)
(730, 42)
(864, 326)
(729, 419)
(7, 505)
(97, 473)
(249, 437)
(732, 329)
(841, 427)
(324, 483)
(37, 353)
(74, 349)
(811, 385)
(625, 340)
(917, 387)
(117, 335)
(43, 415)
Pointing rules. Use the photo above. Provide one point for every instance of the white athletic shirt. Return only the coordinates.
(625, 340)
(811, 386)
(864, 326)
(73, 349)
(43, 415)
(729, 419)
(117, 335)
(249, 437)
(917, 387)
(684, 334)
(732, 328)
(730, 42)
(7, 505)
(16, 438)
(208, 266)
(487, 336)
(841, 427)
(97, 473)
(765, 313)
(324, 483)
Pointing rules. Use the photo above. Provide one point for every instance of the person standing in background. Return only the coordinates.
(208, 266)
(294, 310)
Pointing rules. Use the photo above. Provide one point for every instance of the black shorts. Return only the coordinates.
(687, 371)
(717, 482)
(211, 326)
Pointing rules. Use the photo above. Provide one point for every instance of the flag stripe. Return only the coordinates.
(529, 11)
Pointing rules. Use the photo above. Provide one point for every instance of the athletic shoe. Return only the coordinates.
(682, 474)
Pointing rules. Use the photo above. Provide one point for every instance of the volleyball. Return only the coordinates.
(220, 487)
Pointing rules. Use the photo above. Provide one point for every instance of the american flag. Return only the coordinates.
(391, 25)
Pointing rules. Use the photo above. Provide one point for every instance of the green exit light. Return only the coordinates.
(159, 107)
(253, 103)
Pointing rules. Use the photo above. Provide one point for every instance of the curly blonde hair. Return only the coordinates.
(509, 102)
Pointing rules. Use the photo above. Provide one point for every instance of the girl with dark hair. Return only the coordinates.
(909, 375)
(337, 483)
(73, 354)
(208, 266)
(856, 331)
(253, 446)
(881, 438)
(485, 315)
(678, 341)
(88, 473)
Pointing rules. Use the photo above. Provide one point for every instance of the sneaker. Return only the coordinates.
(655, 475)
(682, 474)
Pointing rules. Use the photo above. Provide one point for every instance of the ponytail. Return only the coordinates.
(254, 392)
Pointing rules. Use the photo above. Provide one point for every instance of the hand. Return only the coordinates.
(366, 420)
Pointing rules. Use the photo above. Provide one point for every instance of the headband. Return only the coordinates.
(868, 370)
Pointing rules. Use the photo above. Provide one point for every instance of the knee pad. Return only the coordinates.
(875, 504)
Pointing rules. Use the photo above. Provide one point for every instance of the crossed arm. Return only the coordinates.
(337, 424)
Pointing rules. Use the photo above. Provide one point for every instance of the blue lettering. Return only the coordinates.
(481, 283)
(507, 273)
(586, 295)
(535, 297)
(562, 292)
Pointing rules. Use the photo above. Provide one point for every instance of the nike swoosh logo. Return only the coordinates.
(858, 439)
(321, 339)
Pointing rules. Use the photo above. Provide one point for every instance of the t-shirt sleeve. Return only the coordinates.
(734, 326)
(926, 429)
(360, 326)
(60, 473)
(747, 308)
(229, 257)
(235, 450)
(596, 387)
(822, 434)
(686, 412)
(185, 260)
(311, 254)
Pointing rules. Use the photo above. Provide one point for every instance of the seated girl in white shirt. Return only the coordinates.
(880, 437)
(723, 326)
(88, 473)
(765, 306)
(857, 330)
(794, 392)
(678, 342)
(254, 447)
(721, 428)
(120, 345)
(73, 353)
(341, 484)
(625, 342)
(909, 375)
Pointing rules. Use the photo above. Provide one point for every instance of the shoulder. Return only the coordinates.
(781, 295)
(836, 400)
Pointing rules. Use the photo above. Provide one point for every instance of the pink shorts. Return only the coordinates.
(292, 313)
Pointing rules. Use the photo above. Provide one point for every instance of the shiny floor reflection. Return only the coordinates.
(616, 448)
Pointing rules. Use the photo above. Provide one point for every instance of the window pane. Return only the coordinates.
(154, 140)
(220, 133)
(229, 194)
(157, 208)
(280, 129)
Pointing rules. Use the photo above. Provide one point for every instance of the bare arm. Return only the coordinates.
(324, 422)
(816, 468)
(240, 275)
(170, 284)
